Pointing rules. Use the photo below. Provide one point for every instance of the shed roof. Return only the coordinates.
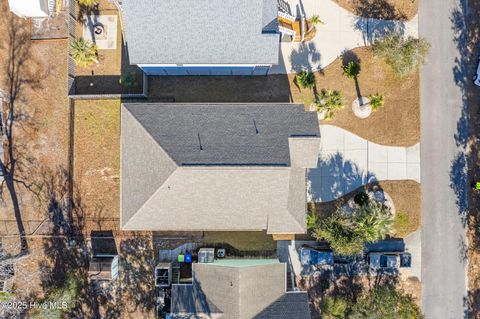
(201, 31)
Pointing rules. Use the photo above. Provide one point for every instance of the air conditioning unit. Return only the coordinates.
(206, 255)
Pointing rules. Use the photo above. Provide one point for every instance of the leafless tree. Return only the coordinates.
(18, 75)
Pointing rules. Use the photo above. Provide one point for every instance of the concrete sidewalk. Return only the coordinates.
(347, 161)
(342, 31)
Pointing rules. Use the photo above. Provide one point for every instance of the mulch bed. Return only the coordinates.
(382, 9)
(396, 124)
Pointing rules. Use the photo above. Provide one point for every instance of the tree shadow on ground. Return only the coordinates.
(305, 58)
(376, 19)
(22, 71)
(464, 168)
(378, 9)
(334, 177)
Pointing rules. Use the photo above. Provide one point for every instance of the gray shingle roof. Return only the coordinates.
(201, 31)
(225, 134)
(239, 293)
(168, 183)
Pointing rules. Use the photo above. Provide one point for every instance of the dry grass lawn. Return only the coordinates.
(97, 156)
(41, 113)
(382, 9)
(397, 123)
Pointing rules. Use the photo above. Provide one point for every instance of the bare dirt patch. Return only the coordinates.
(41, 108)
(382, 9)
(397, 123)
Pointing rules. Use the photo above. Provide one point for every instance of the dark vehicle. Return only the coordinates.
(316, 257)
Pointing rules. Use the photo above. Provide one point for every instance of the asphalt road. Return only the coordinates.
(442, 163)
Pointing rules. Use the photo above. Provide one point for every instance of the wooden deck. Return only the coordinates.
(292, 25)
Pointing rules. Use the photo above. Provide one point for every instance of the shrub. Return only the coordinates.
(83, 52)
(348, 232)
(376, 101)
(305, 79)
(311, 219)
(361, 198)
(128, 80)
(339, 231)
(333, 307)
(404, 55)
(385, 301)
(329, 101)
(374, 221)
(351, 70)
(68, 294)
(86, 3)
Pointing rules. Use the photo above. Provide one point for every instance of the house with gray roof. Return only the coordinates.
(238, 289)
(216, 167)
(202, 37)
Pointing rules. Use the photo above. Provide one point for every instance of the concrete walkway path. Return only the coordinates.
(342, 31)
(347, 161)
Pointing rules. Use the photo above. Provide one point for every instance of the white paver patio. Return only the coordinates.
(341, 31)
(347, 161)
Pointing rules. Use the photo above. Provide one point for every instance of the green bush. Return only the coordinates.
(311, 219)
(385, 301)
(351, 69)
(334, 307)
(376, 101)
(128, 80)
(305, 79)
(329, 101)
(347, 233)
(404, 55)
(67, 295)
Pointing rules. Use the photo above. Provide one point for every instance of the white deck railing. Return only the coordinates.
(286, 16)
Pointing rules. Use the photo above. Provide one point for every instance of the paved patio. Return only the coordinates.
(347, 161)
(341, 31)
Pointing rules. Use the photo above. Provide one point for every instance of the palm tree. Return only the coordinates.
(374, 221)
(83, 52)
(329, 101)
(314, 20)
(305, 79)
(351, 70)
(376, 101)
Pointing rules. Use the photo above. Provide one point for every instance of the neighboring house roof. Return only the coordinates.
(201, 31)
(29, 8)
(238, 292)
(216, 166)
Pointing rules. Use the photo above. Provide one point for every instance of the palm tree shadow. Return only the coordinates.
(305, 57)
(334, 177)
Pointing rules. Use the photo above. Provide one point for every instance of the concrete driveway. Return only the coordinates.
(347, 161)
(341, 31)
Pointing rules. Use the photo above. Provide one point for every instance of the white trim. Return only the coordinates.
(203, 65)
